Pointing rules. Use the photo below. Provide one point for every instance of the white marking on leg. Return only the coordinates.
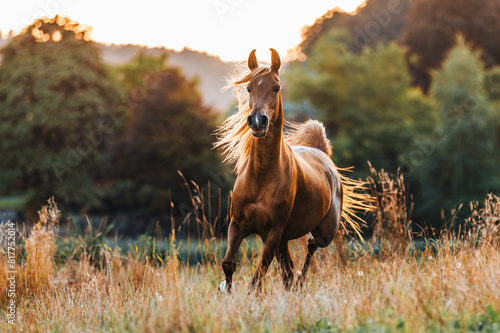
(222, 287)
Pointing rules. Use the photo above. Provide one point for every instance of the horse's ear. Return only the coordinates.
(275, 60)
(252, 61)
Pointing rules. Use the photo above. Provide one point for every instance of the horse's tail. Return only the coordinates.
(310, 134)
(355, 201)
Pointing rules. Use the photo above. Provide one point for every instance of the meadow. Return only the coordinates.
(395, 281)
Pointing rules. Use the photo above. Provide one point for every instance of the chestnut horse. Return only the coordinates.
(287, 185)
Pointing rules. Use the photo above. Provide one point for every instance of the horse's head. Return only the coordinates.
(264, 94)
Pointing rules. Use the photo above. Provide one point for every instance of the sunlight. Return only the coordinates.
(348, 5)
(213, 26)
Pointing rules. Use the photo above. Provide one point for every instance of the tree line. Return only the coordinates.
(98, 138)
(410, 85)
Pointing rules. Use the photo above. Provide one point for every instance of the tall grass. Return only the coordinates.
(35, 265)
(392, 217)
(443, 288)
(485, 220)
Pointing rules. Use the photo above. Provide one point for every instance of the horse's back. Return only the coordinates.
(315, 162)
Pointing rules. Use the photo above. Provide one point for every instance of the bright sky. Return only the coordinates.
(227, 28)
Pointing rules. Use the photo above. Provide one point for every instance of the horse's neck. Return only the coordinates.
(267, 153)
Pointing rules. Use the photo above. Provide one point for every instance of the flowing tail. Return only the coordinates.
(310, 134)
(355, 199)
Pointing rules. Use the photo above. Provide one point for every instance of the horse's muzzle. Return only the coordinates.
(258, 123)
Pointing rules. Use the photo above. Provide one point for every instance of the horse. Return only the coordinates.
(286, 185)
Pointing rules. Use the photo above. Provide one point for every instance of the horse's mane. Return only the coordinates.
(234, 136)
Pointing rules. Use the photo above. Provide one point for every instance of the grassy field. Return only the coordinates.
(16, 202)
(451, 283)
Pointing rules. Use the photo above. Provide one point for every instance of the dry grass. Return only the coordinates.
(444, 288)
(433, 292)
(36, 273)
(485, 220)
(392, 217)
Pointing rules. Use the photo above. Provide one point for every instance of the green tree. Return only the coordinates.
(375, 21)
(57, 105)
(365, 100)
(464, 165)
(169, 129)
(134, 74)
(433, 24)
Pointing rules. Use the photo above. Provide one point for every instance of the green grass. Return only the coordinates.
(14, 202)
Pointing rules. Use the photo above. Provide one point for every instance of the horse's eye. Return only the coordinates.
(277, 88)
(249, 90)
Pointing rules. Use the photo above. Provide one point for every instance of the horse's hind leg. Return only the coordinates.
(234, 238)
(286, 263)
(311, 249)
(321, 236)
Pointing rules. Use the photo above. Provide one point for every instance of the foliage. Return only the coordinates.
(135, 73)
(365, 100)
(168, 129)
(492, 85)
(91, 241)
(64, 132)
(321, 326)
(462, 165)
(432, 27)
(374, 21)
(426, 27)
(56, 104)
(15, 202)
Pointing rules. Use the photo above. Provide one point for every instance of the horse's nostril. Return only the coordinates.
(249, 122)
(265, 121)
(257, 122)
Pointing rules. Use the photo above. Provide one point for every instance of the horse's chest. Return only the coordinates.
(261, 209)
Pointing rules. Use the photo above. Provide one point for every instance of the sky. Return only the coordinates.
(227, 28)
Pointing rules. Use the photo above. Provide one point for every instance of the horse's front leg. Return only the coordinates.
(271, 243)
(286, 263)
(235, 236)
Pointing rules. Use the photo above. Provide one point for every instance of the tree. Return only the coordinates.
(365, 100)
(134, 75)
(374, 22)
(168, 130)
(57, 107)
(463, 165)
(432, 27)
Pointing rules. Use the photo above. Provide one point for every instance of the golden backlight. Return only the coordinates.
(227, 28)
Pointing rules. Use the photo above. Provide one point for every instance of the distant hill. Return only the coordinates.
(210, 70)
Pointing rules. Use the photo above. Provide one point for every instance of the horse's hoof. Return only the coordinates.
(222, 287)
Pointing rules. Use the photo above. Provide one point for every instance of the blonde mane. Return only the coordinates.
(234, 136)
